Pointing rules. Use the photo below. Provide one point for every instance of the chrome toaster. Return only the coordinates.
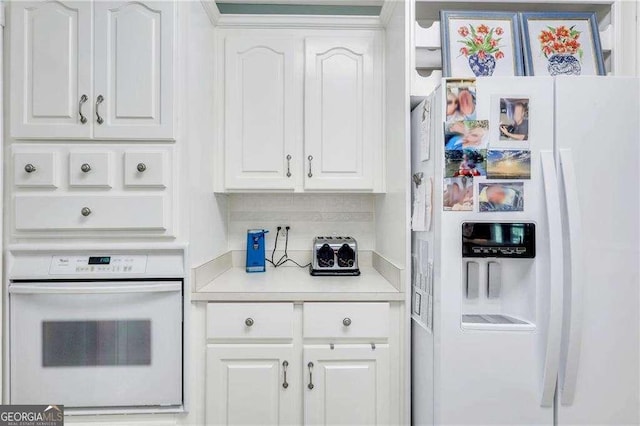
(334, 256)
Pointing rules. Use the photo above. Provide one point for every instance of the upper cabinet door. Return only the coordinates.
(343, 119)
(50, 68)
(263, 113)
(134, 70)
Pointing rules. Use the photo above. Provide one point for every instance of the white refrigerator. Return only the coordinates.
(533, 314)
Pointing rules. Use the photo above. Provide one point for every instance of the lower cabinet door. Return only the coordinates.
(253, 384)
(347, 385)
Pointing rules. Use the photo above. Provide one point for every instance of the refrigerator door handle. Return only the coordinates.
(568, 379)
(554, 331)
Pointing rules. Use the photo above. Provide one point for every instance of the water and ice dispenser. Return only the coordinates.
(498, 277)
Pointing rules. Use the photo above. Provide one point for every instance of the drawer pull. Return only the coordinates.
(346, 322)
(86, 211)
(285, 364)
(86, 168)
(83, 99)
(29, 168)
(249, 322)
(141, 167)
(99, 100)
(310, 385)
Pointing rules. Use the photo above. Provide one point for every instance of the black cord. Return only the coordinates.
(286, 246)
(296, 263)
(285, 257)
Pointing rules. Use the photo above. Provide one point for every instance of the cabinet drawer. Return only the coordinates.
(145, 169)
(346, 320)
(90, 169)
(35, 169)
(38, 213)
(250, 321)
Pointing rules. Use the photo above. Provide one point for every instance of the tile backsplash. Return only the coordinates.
(308, 215)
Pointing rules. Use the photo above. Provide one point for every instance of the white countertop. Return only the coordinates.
(296, 284)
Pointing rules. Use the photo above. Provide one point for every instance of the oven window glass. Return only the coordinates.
(96, 343)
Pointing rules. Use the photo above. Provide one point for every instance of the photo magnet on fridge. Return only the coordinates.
(465, 162)
(472, 134)
(461, 100)
(501, 197)
(458, 194)
(514, 119)
(508, 164)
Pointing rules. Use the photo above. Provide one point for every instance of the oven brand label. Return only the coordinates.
(31, 415)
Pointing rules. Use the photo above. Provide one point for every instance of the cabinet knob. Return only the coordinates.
(86, 211)
(346, 322)
(141, 167)
(29, 168)
(248, 322)
(86, 168)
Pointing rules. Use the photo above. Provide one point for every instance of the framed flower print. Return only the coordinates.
(561, 43)
(477, 44)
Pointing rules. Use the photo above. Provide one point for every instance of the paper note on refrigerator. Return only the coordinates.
(425, 129)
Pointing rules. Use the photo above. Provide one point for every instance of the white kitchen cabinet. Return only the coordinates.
(90, 169)
(337, 356)
(91, 212)
(134, 69)
(253, 384)
(302, 110)
(145, 169)
(67, 190)
(82, 70)
(346, 385)
(35, 169)
(50, 69)
(263, 112)
(343, 112)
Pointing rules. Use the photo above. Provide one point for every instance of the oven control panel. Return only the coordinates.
(102, 264)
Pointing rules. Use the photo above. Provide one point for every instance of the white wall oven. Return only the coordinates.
(96, 331)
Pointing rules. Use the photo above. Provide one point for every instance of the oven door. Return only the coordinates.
(96, 344)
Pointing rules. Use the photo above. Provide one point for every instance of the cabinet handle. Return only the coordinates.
(310, 158)
(86, 211)
(141, 167)
(285, 364)
(249, 322)
(310, 385)
(99, 100)
(85, 168)
(83, 99)
(288, 165)
(346, 322)
(29, 168)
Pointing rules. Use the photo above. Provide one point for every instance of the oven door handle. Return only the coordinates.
(49, 288)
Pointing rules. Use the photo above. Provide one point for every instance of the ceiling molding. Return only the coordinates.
(311, 2)
(298, 21)
(387, 11)
(211, 8)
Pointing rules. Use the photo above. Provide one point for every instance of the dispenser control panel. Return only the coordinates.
(493, 239)
(105, 264)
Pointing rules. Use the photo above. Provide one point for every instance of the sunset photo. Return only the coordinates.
(506, 164)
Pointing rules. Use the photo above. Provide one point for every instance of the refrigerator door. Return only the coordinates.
(489, 373)
(598, 152)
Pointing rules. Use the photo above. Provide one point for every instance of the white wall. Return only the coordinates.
(308, 215)
(203, 214)
(392, 208)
